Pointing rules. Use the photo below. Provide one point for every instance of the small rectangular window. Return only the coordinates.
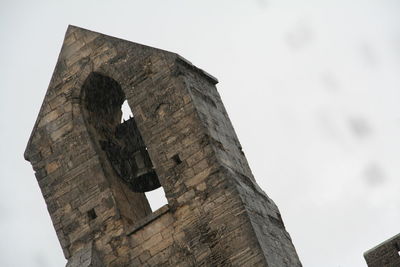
(91, 214)
(176, 159)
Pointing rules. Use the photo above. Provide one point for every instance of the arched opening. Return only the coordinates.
(116, 133)
(156, 197)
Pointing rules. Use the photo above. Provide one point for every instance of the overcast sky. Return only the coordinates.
(312, 89)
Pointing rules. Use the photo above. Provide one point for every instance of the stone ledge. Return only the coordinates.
(394, 239)
(148, 219)
(211, 78)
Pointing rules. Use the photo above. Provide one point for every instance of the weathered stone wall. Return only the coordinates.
(216, 213)
(262, 212)
(385, 254)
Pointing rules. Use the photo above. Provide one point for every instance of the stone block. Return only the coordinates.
(56, 135)
(154, 240)
(187, 196)
(198, 178)
(52, 166)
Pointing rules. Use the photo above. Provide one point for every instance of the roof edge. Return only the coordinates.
(73, 27)
(381, 244)
(28, 145)
(208, 76)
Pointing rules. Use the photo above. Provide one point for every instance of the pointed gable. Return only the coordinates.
(82, 51)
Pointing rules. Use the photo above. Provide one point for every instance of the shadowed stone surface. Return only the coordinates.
(93, 169)
(385, 254)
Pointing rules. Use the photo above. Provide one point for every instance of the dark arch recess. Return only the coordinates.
(122, 142)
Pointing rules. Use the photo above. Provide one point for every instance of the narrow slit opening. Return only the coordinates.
(177, 159)
(92, 214)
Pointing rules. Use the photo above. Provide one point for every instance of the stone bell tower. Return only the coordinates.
(93, 170)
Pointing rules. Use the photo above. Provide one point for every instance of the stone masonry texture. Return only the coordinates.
(93, 170)
(386, 254)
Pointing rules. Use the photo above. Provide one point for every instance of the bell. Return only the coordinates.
(142, 176)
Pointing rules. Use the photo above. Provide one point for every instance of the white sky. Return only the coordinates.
(312, 89)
